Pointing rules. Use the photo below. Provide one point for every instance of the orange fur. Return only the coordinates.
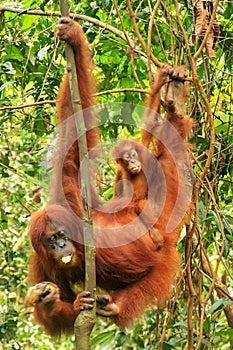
(128, 264)
(166, 183)
(171, 151)
(138, 181)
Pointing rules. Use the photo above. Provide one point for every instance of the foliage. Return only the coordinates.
(31, 67)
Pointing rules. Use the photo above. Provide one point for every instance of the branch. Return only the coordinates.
(50, 102)
(89, 19)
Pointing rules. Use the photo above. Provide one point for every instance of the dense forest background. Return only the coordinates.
(129, 40)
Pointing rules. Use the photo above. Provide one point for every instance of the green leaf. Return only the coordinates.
(218, 305)
(104, 340)
(28, 22)
(39, 126)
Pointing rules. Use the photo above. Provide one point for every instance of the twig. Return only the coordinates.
(165, 324)
(199, 88)
(129, 43)
(149, 39)
(115, 91)
(47, 71)
(133, 19)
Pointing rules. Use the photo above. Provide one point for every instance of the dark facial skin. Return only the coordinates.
(59, 246)
(131, 162)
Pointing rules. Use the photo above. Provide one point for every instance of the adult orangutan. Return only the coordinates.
(146, 176)
(134, 270)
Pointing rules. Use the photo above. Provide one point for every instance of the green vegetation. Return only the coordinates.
(31, 66)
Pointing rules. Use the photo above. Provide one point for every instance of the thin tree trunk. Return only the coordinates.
(86, 319)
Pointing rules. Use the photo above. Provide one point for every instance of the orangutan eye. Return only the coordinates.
(52, 238)
(133, 154)
(126, 156)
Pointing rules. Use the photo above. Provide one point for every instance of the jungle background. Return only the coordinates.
(128, 40)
